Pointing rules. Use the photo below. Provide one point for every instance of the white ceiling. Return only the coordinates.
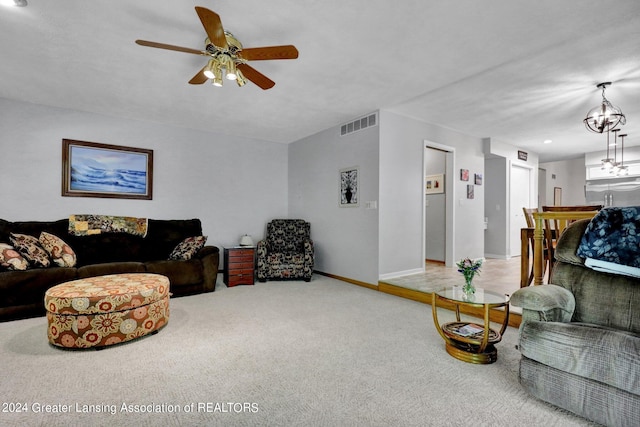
(519, 71)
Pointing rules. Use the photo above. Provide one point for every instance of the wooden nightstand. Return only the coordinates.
(239, 265)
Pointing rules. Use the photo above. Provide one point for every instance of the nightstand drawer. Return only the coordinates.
(234, 265)
(240, 279)
(240, 272)
(241, 257)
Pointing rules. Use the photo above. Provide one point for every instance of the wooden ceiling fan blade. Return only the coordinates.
(199, 78)
(269, 52)
(213, 27)
(169, 47)
(256, 76)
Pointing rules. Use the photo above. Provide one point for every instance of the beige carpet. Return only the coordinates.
(324, 353)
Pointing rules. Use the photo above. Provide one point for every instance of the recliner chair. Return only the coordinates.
(580, 335)
(286, 252)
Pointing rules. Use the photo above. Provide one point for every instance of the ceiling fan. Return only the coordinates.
(227, 56)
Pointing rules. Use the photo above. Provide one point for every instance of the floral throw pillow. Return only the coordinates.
(30, 248)
(11, 259)
(61, 254)
(188, 248)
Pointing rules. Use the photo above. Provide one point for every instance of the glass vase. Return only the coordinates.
(468, 287)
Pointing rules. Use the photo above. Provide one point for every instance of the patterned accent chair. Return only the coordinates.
(286, 252)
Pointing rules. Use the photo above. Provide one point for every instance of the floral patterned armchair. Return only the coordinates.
(286, 252)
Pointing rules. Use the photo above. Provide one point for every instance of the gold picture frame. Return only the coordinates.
(91, 169)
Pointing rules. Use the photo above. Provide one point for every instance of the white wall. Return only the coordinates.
(401, 192)
(568, 175)
(345, 239)
(234, 185)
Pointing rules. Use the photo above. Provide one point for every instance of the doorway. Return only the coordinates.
(438, 206)
(520, 191)
(542, 187)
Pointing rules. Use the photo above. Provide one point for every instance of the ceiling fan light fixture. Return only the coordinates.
(217, 80)
(208, 71)
(240, 79)
(605, 115)
(231, 70)
(225, 53)
(217, 72)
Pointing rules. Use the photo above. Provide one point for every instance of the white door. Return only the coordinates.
(435, 207)
(519, 197)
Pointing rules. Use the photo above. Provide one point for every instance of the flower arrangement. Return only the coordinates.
(469, 268)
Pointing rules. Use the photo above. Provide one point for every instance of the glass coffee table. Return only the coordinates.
(468, 341)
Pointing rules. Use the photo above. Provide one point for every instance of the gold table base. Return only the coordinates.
(489, 355)
(467, 341)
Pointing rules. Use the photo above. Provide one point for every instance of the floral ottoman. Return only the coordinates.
(105, 310)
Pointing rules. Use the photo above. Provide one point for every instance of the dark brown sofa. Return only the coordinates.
(22, 292)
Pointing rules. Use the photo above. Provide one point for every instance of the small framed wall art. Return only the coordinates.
(349, 187)
(434, 184)
(464, 174)
(90, 169)
(469, 191)
(478, 178)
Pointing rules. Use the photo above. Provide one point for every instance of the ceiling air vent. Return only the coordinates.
(359, 124)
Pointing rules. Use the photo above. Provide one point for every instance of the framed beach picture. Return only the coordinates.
(90, 169)
(349, 189)
(434, 184)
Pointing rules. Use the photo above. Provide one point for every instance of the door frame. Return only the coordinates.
(533, 196)
(449, 185)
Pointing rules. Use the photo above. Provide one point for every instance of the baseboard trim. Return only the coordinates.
(346, 279)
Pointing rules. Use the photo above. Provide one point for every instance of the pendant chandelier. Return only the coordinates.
(605, 116)
(611, 164)
(620, 169)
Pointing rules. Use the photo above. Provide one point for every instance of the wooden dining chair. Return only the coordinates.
(526, 248)
(543, 220)
(553, 227)
(528, 216)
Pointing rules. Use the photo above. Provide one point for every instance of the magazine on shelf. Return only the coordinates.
(469, 330)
